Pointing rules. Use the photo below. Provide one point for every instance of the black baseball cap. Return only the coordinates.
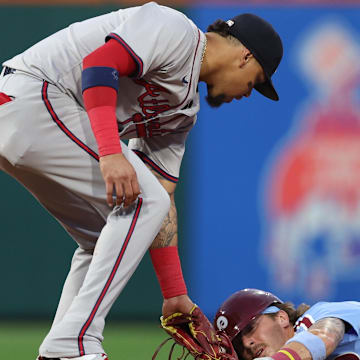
(258, 36)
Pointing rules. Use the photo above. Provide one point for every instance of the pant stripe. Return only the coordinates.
(109, 280)
(62, 126)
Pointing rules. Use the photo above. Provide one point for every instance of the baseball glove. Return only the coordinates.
(194, 333)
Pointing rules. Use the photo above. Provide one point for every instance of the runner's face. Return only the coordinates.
(263, 337)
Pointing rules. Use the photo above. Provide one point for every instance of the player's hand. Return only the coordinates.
(175, 304)
(192, 330)
(120, 175)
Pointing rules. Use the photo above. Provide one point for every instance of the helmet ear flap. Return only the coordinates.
(240, 308)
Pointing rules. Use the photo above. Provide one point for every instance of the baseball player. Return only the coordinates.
(262, 327)
(67, 104)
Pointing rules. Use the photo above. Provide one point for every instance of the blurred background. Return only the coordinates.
(269, 195)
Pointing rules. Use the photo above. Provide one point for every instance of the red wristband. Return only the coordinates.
(167, 266)
(104, 125)
(286, 354)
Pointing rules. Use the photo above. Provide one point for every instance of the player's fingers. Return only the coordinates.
(119, 193)
(128, 194)
(109, 193)
(135, 188)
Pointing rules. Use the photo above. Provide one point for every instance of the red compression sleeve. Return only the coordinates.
(167, 266)
(100, 101)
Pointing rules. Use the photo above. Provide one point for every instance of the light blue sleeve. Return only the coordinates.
(348, 311)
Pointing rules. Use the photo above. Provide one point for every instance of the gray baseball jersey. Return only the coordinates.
(47, 144)
(160, 100)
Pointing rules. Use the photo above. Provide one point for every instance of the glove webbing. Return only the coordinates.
(171, 350)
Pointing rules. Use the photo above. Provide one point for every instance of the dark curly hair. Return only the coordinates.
(220, 27)
(293, 313)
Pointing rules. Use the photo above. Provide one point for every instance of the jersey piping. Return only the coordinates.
(91, 152)
(140, 64)
(61, 125)
(304, 322)
(192, 70)
(155, 167)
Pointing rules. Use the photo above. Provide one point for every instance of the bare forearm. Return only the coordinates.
(168, 234)
(329, 330)
(166, 261)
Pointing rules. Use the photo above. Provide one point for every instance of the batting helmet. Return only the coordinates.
(240, 308)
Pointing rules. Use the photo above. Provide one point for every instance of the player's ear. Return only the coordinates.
(283, 318)
(246, 56)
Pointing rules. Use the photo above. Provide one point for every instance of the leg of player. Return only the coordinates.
(123, 241)
(79, 266)
(49, 141)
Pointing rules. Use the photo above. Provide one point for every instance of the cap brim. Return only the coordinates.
(267, 89)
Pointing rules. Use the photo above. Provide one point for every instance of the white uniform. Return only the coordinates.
(47, 144)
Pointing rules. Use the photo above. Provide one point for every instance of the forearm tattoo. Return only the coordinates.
(168, 234)
(331, 330)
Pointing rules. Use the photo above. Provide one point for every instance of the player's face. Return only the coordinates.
(263, 337)
(235, 82)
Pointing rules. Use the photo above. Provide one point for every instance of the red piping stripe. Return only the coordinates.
(192, 70)
(62, 126)
(146, 159)
(140, 62)
(110, 279)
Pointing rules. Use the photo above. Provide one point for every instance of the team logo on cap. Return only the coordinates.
(230, 23)
(222, 322)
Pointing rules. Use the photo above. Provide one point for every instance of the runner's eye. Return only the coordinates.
(249, 328)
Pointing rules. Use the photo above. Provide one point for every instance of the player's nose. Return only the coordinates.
(247, 341)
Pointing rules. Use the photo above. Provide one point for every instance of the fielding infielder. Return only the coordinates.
(262, 327)
(67, 101)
